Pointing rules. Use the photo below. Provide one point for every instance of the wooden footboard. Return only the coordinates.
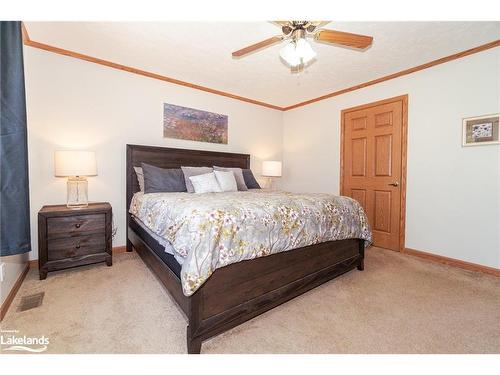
(241, 291)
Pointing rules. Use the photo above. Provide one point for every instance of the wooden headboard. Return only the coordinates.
(164, 157)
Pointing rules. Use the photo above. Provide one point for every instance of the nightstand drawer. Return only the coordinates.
(70, 226)
(63, 248)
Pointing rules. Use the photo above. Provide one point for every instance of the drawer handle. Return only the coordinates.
(77, 246)
(78, 225)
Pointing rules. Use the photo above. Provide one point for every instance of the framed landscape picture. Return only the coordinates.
(194, 124)
(482, 130)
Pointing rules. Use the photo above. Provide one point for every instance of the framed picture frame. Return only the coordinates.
(481, 130)
(194, 124)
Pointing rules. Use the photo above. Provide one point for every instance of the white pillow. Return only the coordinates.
(205, 183)
(140, 177)
(226, 180)
(238, 176)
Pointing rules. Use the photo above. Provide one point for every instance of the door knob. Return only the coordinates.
(394, 184)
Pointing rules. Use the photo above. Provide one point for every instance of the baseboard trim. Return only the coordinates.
(453, 262)
(119, 249)
(12, 294)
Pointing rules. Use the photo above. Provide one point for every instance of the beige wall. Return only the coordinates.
(453, 202)
(80, 105)
(13, 267)
(453, 192)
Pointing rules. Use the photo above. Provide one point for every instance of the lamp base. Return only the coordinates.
(270, 183)
(77, 192)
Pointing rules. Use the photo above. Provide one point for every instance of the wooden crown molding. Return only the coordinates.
(61, 51)
(24, 32)
(417, 68)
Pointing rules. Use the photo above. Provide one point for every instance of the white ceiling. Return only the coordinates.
(200, 52)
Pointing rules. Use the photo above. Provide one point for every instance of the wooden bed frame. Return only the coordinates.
(240, 291)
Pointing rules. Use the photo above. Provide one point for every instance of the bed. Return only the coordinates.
(236, 292)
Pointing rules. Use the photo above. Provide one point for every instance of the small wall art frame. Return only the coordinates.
(481, 130)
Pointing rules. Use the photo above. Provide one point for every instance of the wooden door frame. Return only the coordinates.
(404, 141)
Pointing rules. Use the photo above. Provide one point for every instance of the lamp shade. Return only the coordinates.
(75, 163)
(271, 168)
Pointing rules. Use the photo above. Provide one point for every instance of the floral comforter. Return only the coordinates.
(210, 231)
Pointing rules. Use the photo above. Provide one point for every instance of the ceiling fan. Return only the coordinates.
(297, 53)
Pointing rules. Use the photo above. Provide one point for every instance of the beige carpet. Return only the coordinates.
(399, 304)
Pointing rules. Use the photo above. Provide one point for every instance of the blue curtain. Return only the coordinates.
(14, 191)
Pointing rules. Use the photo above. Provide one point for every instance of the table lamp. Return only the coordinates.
(271, 169)
(76, 165)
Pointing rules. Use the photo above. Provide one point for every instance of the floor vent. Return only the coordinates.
(30, 302)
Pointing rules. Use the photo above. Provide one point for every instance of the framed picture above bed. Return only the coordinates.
(481, 130)
(194, 124)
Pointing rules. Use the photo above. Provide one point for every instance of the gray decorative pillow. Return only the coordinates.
(238, 175)
(161, 180)
(193, 171)
(250, 180)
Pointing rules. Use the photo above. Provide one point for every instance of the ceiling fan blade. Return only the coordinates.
(256, 46)
(345, 39)
(319, 23)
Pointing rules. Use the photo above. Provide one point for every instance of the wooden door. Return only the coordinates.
(374, 166)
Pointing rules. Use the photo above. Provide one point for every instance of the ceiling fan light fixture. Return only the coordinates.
(297, 52)
(288, 54)
(304, 51)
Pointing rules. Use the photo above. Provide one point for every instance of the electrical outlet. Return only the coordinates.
(2, 270)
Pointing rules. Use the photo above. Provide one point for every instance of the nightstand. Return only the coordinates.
(69, 237)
